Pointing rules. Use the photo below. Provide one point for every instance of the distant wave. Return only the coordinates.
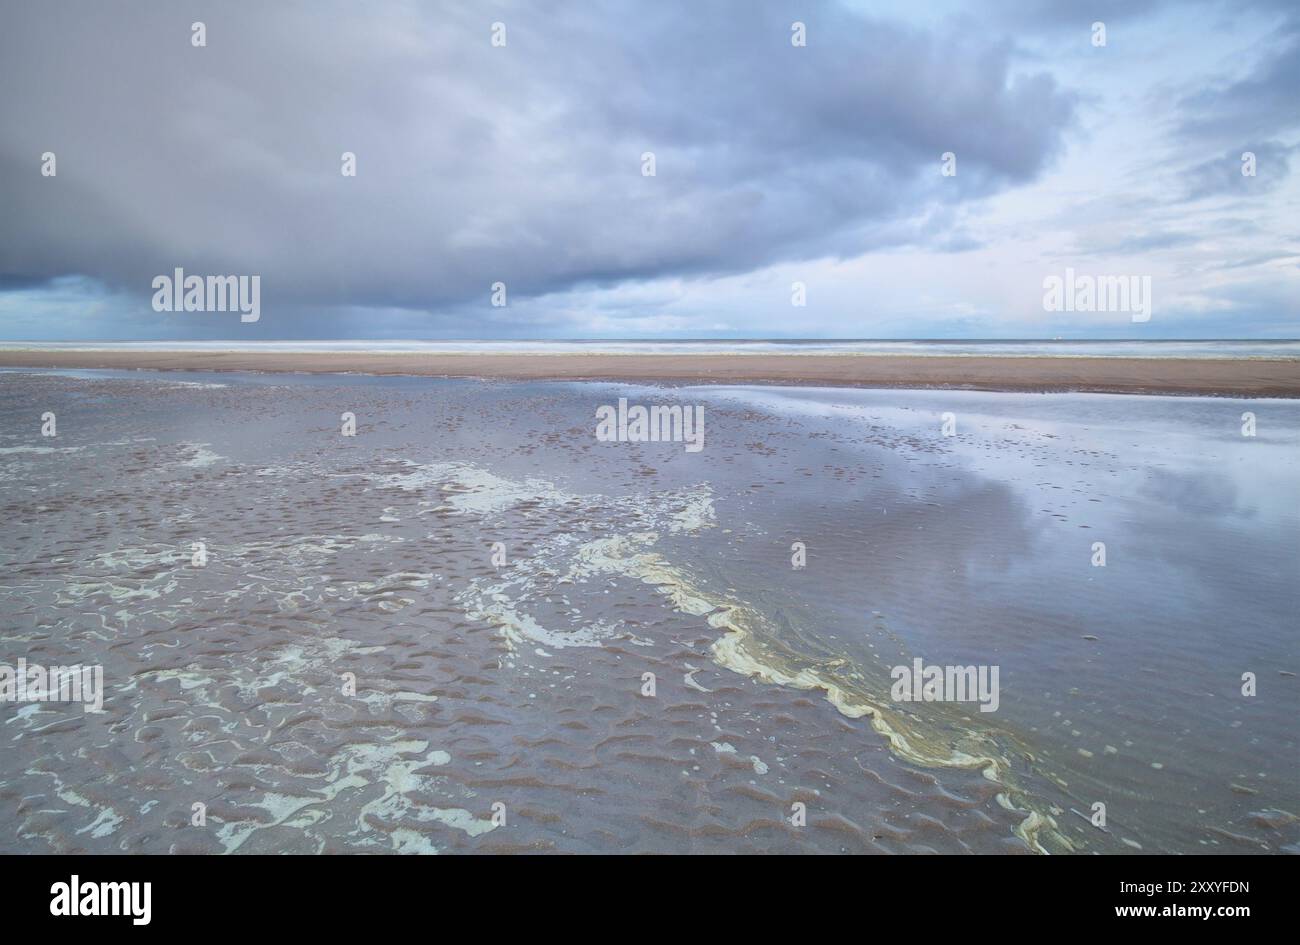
(1036, 349)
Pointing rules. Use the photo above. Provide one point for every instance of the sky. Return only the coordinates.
(523, 163)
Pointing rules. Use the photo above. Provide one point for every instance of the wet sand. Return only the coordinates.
(1227, 377)
(353, 669)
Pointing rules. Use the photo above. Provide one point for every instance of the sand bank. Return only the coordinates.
(1233, 377)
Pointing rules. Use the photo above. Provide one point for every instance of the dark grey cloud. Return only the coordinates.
(1155, 239)
(1214, 121)
(1254, 109)
(1074, 15)
(478, 164)
(1222, 176)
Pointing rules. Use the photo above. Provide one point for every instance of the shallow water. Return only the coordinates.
(521, 684)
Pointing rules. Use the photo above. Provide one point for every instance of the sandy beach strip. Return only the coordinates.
(1232, 377)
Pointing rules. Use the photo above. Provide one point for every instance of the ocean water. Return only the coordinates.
(475, 627)
(1028, 348)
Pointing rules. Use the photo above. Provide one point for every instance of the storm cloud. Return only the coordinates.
(522, 163)
(477, 164)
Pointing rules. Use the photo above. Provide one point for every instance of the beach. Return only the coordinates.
(1239, 377)
(666, 429)
(474, 626)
